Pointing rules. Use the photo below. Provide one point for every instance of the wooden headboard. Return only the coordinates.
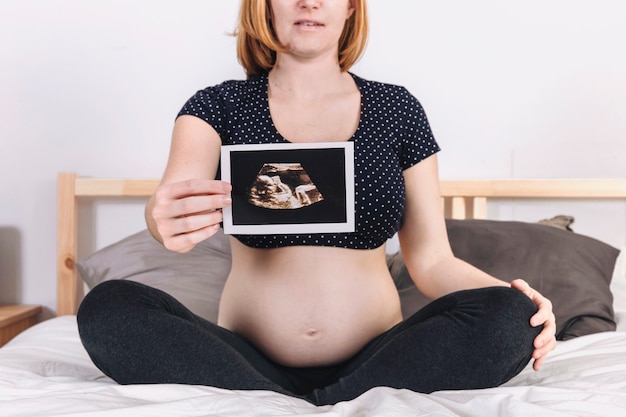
(463, 199)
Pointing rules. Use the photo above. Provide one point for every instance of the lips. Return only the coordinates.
(308, 23)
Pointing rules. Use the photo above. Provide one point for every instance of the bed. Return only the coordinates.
(44, 371)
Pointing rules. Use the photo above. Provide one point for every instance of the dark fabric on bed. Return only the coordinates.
(572, 270)
(139, 335)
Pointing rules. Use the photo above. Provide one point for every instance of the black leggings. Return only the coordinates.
(469, 339)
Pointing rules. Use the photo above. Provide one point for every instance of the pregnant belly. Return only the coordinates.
(310, 321)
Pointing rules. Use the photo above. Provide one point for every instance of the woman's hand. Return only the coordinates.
(546, 340)
(187, 212)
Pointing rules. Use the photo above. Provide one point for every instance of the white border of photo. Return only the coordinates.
(299, 228)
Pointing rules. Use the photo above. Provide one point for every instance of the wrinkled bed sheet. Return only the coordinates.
(46, 372)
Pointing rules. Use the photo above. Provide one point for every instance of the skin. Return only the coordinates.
(314, 306)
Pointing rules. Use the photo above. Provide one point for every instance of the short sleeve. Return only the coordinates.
(418, 142)
(209, 106)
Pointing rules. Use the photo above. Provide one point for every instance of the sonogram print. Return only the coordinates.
(283, 186)
(289, 188)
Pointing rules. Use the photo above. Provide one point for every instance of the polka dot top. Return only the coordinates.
(393, 134)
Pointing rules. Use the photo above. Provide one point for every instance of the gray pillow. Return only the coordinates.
(572, 270)
(195, 278)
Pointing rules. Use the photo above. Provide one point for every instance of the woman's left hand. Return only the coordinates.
(546, 340)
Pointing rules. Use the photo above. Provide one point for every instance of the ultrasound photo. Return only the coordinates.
(289, 188)
(283, 186)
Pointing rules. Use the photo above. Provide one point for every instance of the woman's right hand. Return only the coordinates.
(187, 212)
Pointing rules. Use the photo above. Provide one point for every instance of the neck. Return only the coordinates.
(302, 78)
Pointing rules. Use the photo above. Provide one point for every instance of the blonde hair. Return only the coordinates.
(257, 42)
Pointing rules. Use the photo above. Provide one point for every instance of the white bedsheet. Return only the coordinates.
(46, 372)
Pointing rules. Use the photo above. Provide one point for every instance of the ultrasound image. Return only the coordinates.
(283, 186)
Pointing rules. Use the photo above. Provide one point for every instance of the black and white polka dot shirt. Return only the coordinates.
(393, 134)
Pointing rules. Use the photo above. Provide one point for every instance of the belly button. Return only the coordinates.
(312, 333)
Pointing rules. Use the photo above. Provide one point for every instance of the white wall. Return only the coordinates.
(533, 88)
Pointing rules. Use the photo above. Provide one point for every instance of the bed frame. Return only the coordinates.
(463, 199)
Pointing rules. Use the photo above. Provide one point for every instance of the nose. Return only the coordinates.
(310, 4)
